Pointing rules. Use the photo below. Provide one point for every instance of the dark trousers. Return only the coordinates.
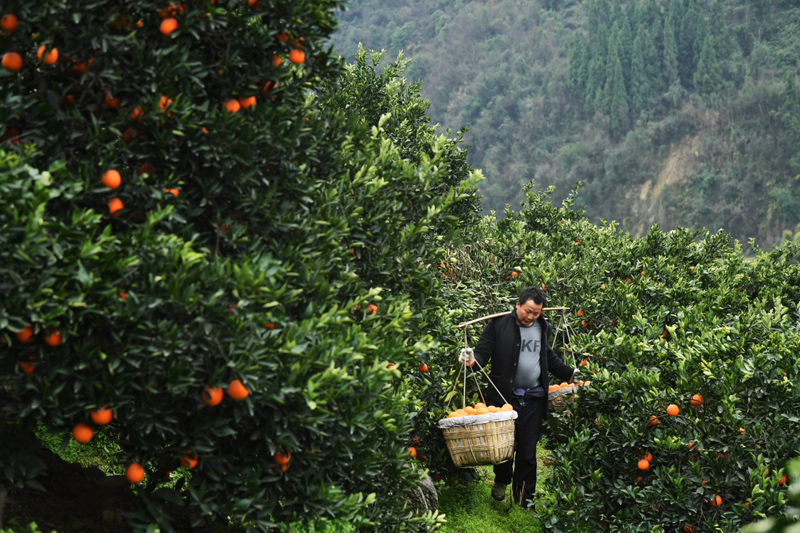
(521, 470)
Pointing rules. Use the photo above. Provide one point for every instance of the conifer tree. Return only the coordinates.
(626, 48)
(687, 59)
(597, 70)
(576, 66)
(618, 110)
(640, 82)
(670, 53)
(708, 76)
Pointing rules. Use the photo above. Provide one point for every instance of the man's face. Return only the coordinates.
(528, 312)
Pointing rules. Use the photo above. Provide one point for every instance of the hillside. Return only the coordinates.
(681, 112)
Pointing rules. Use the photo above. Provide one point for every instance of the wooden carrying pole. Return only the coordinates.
(487, 317)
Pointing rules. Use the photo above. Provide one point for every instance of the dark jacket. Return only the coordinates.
(499, 345)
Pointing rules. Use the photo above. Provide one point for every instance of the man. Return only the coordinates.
(517, 346)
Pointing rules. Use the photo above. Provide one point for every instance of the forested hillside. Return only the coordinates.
(675, 112)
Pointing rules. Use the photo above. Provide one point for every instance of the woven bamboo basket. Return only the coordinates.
(480, 439)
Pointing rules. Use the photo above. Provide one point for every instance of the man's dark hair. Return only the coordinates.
(533, 293)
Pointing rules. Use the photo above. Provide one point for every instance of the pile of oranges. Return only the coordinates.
(479, 409)
(581, 383)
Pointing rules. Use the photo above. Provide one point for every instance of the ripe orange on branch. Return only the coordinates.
(9, 23)
(672, 410)
(82, 433)
(237, 390)
(168, 25)
(12, 61)
(53, 338)
(716, 501)
(212, 396)
(102, 415)
(643, 464)
(50, 57)
(111, 179)
(25, 335)
(115, 206)
(189, 460)
(134, 473)
(697, 400)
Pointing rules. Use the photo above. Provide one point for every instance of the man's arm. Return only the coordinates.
(485, 348)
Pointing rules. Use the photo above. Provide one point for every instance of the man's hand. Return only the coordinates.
(467, 357)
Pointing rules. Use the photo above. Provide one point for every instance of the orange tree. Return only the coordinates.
(197, 237)
(672, 318)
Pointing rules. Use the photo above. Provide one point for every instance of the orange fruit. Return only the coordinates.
(247, 102)
(134, 473)
(137, 114)
(276, 60)
(672, 410)
(281, 458)
(507, 407)
(164, 103)
(174, 192)
(551, 388)
(102, 416)
(25, 335)
(297, 56)
(391, 366)
(148, 168)
(688, 528)
(232, 105)
(53, 338)
(9, 23)
(469, 410)
(27, 368)
(69, 100)
(49, 58)
(697, 400)
(716, 501)
(129, 135)
(481, 410)
(269, 325)
(648, 456)
(237, 390)
(584, 362)
(115, 206)
(212, 396)
(741, 430)
(282, 37)
(80, 67)
(653, 420)
(111, 179)
(412, 451)
(111, 102)
(579, 313)
(782, 480)
(372, 309)
(12, 61)
(82, 433)
(189, 460)
(423, 367)
(644, 464)
(493, 409)
(168, 25)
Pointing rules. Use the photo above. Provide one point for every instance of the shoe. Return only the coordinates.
(499, 491)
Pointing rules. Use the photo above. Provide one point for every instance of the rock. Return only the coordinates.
(423, 498)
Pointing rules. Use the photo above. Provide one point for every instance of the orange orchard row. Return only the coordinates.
(211, 396)
(12, 61)
(647, 458)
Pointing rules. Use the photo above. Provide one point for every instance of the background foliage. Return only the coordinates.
(621, 95)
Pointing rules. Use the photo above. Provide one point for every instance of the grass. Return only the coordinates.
(471, 509)
(100, 452)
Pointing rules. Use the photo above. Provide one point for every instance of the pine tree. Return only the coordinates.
(617, 107)
(670, 53)
(597, 69)
(626, 48)
(687, 59)
(576, 66)
(640, 82)
(708, 76)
